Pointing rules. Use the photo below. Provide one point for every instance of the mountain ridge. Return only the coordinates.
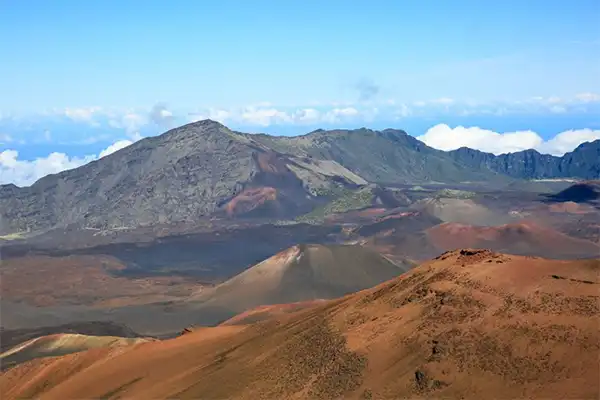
(205, 169)
(531, 164)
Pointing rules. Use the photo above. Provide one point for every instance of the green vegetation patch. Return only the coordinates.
(13, 236)
(348, 200)
(454, 194)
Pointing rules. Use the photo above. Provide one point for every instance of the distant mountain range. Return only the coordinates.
(205, 169)
(583, 162)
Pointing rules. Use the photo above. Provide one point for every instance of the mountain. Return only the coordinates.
(204, 169)
(530, 164)
(189, 172)
(388, 156)
(300, 273)
(470, 324)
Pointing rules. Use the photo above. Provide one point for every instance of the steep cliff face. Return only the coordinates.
(583, 162)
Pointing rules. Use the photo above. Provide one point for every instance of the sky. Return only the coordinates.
(79, 79)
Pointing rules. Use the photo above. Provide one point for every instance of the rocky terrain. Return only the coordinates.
(205, 170)
(193, 171)
(126, 276)
(190, 212)
(530, 164)
(469, 324)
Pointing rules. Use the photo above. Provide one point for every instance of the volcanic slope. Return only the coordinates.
(61, 344)
(523, 238)
(581, 192)
(470, 324)
(205, 169)
(195, 170)
(300, 273)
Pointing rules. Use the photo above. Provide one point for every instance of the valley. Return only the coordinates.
(224, 237)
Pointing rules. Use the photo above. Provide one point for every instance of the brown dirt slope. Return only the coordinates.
(12, 337)
(523, 238)
(262, 313)
(61, 344)
(470, 324)
(300, 273)
(83, 280)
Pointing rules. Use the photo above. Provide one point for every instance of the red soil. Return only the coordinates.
(517, 238)
(263, 313)
(471, 324)
(83, 280)
(250, 199)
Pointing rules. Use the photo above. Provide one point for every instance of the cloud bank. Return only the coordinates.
(25, 173)
(443, 137)
(90, 125)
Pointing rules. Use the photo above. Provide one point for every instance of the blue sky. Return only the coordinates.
(78, 76)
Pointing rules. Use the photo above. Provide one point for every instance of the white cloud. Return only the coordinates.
(24, 172)
(588, 97)
(403, 111)
(212, 113)
(443, 100)
(161, 116)
(307, 115)
(554, 100)
(338, 114)
(558, 109)
(85, 114)
(121, 144)
(13, 170)
(264, 116)
(568, 141)
(131, 122)
(446, 138)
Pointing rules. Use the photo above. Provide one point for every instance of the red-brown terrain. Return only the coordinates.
(262, 313)
(249, 200)
(525, 238)
(469, 324)
(84, 280)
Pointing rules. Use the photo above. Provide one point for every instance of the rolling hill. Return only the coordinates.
(581, 192)
(522, 238)
(470, 324)
(60, 344)
(12, 337)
